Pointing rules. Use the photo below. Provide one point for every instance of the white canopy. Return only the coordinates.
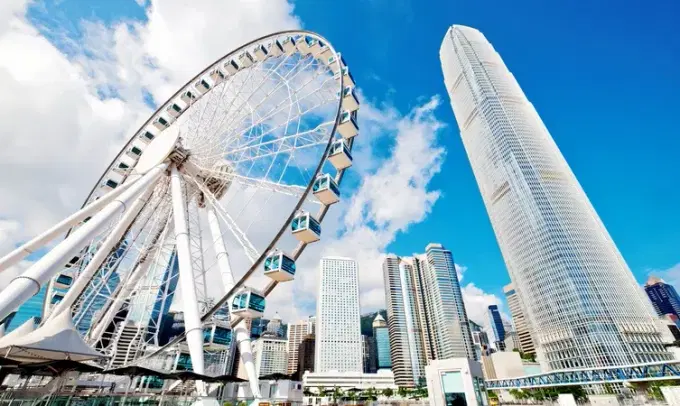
(56, 340)
(21, 331)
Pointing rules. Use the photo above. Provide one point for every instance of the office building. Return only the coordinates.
(497, 327)
(524, 340)
(563, 262)
(480, 340)
(381, 337)
(370, 361)
(338, 329)
(426, 315)
(663, 296)
(270, 355)
(296, 333)
(306, 355)
(274, 325)
(383, 379)
(511, 343)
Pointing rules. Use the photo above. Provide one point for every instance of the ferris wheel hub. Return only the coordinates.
(159, 149)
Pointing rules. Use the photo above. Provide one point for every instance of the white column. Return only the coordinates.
(192, 316)
(85, 277)
(29, 247)
(241, 332)
(29, 283)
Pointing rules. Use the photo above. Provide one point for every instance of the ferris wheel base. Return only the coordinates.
(206, 402)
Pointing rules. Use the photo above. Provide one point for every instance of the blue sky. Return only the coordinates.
(602, 76)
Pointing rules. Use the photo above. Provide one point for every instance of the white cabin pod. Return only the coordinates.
(339, 155)
(134, 152)
(202, 86)
(75, 259)
(188, 97)
(245, 60)
(146, 136)
(280, 267)
(348, 126)
(350, 101)
(302, 44)
(217, 76)
(261, 53)
(288, 45)
(63, 281)
(161, 123)
(326, 190)
(336, 65)
(321, 51)
(174, 110)
(122, 168)
(217, 337)
(231, 66)
(248, 303)
(276, 49)
(348, 79)
(305, 227)
(109, 184)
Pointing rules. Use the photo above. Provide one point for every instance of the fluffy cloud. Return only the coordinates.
(65, 115)
(670, 275)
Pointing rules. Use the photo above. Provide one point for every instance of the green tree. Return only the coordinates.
(321, 391)
(491, 394)
(337, 394)
(352, 395)
(388, 392)
(370, 394)
(403, 392)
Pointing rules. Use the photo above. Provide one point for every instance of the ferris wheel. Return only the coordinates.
(213, 199)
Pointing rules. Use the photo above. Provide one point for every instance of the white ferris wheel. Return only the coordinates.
(215, 197)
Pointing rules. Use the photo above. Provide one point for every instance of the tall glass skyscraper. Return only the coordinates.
(579, 296)
(426, 316)
(382, 342)
(663, 296)
(497, 327)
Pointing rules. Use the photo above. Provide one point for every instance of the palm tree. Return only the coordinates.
(337, 394)
(321, 391)
(403, 392)
(352, 395)
(370, 394)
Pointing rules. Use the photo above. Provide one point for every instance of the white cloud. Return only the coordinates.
(670, 275)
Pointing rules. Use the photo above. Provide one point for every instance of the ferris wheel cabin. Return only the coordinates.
(202, 86)
(339, 155)
(288, 45)
(188, 97)
(335, 67)
(348, 126)
(326, 190)
(63, 281)
(261, 53)
(303, 44)
(109, 184)
(231, 67)
(122, 168)
(56, 298)
(276, 48)
(246, 60)
(348, 78)
(174, 110)
(146, 137)
(161, 123)
(306, 228)
(350, 101)
(248, 303)
(217, 337)
(280, 267)
(217, 76)
(134, 152)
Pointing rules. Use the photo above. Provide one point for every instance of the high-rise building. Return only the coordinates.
(510, 343)
(480, 340)
(663, 296)
(306, 355)
(338, 326)
(274, 325)
(370, 361)
(426, 315)
(563, 262)
(270, 355)
(296, 333)
(381, 337)
(497, 327)
(525, 341)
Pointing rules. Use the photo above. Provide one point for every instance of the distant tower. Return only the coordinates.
(271, 357)
(274, 325)
(580, 298)
(306, 355)
(426, 315)
(663, 296)
(296, 333)
(338, 322)
(382, 342)
(526, 342)
(497, 327)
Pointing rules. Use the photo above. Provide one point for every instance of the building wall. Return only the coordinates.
(560, 256)
(497, 327)
(338, 328)
(382, 344)
(270, 356)
(296, 333)
(348, 380)
(306, 355)
(663, 296)
(526, 342)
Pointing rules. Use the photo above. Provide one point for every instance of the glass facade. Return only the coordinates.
(559, 255)
(32, 308)
(497, 328)
(382, 344)
(663, 296)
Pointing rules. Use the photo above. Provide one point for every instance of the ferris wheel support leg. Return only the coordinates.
(31, 246)
(31, 281)
(245, 348)
(85, 277)
(220, 249)
(192, 317)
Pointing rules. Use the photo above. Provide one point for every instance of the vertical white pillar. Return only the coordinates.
(30, 282)
(241, 333)
(192, 316)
